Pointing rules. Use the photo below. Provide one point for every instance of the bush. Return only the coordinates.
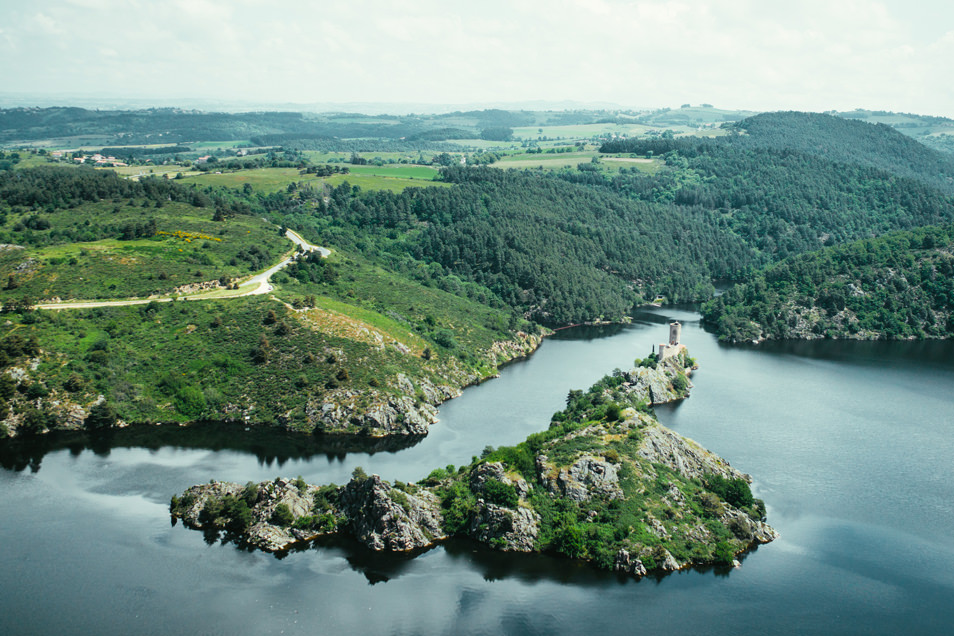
(735, 492)
(445, 338)
(101, 415)
(723, 553)
(250, 493)
(501, 494)
(190, 401)
(680, 383)
(458, 504)
(282, 515)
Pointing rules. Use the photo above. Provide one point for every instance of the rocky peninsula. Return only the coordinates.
(606, 483)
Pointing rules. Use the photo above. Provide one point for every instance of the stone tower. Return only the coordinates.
(673, 347)
(675, 332)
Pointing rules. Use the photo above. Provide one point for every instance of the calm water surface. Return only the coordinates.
(850, 445)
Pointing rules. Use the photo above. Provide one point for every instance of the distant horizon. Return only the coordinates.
(8, 100)
(813, 55)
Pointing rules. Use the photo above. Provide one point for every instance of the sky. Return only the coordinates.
(741, 54)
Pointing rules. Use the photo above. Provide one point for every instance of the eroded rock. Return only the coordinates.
(382, 519)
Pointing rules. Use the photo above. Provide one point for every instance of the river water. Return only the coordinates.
(850, 445)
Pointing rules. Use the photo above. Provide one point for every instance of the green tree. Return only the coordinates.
(101, 415)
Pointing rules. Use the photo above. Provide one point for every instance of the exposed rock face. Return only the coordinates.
(503, 528)
(262, 532)
(200, 496)
(586, 478)
(508, 529)
(268, 536)
(662, 446)
(380, 522)
(413, 409)
(624, 562)
(748, 529)
(656, 385)
(668, 563)
(521, 346)
(387, 414)
(495, 470)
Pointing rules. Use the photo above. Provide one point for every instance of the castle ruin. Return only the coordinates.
(673, 347)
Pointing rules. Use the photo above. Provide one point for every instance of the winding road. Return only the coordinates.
(257, 284)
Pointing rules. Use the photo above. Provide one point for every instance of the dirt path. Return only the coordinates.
(257, 284)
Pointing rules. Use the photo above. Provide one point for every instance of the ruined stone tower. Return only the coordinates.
(675, 331)
(667, 350)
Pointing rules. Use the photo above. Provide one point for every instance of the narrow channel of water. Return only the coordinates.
(850, 445)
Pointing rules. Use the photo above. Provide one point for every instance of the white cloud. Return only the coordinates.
(813, 54)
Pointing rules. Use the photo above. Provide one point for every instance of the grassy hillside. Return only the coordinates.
(341, 345)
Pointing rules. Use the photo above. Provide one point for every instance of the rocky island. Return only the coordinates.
(606, 483)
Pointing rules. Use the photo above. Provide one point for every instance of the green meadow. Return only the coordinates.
(378, 182)
(182, 246)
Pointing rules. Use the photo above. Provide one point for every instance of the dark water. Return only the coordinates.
(851, 446)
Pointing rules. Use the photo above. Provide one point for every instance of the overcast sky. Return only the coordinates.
(752, 54)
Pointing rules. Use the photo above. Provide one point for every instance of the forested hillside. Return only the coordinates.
(897, 286)
(848, 141)
(560, 252)
(783, 193)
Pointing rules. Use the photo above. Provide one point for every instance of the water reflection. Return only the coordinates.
(268, 445)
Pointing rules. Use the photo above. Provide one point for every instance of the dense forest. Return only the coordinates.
(559, 252)
(784, 200)
(898, 286)
(47, 188)
(847, 141)
(579, 244)
(834, 139)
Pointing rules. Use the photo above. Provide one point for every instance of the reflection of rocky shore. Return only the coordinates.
(269, 445)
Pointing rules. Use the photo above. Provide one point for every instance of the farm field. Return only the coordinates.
(395, 177)
(262, 179)
(650, 166)
(581, 131)
(135, 172)
(378, 182)
(404, 171)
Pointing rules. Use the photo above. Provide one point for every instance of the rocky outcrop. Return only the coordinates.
(662, 446)
(371, 412)
(261, 529)
(522, 345)
(383, 518)
(586, 478)
(482, 473)
(659, 385)
(508, 529)
(627, 564)
(748, 529)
